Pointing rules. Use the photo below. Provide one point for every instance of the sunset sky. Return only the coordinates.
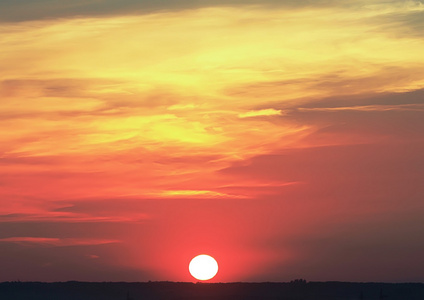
(284, 138)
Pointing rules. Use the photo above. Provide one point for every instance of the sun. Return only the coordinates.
(203, 267)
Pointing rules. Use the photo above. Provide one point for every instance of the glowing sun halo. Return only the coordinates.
(203, 267)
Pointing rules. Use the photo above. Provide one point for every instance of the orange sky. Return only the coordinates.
(282, 138)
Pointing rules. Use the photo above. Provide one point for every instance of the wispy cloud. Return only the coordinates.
(261, 113)
(56, 242)
(33, 10)
(400, 107)
(63, 217)
(194, 194)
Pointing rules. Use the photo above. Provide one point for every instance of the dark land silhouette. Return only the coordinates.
(295, 290)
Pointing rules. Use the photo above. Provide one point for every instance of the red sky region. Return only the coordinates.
(284, 139)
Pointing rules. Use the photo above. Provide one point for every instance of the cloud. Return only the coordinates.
(260, 113)
(406, 22)
(393, 99)
(28, 209)
(405, 107)
(56, 242)
(371, 174)
(42, 9)
(54, 217)
(192, 194)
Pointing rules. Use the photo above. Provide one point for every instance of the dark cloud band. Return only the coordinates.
(25, 10)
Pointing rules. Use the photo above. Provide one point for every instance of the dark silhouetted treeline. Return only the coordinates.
(295, 290)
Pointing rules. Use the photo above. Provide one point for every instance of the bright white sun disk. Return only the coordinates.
(203, 267)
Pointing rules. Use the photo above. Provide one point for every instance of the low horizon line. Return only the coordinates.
(206, 282)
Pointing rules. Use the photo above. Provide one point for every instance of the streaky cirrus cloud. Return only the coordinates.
(42, 9)
(55, 242)
(262, 112)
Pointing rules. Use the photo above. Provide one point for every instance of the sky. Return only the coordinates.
(284, 138)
